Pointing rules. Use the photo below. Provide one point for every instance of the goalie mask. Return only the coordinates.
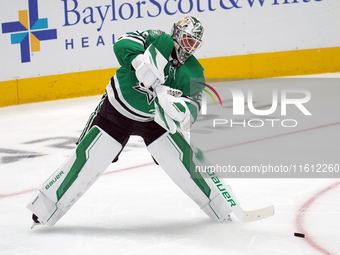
(187, 34)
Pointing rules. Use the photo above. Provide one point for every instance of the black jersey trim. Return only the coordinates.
(135, 37)
(138, 38)
(121, 102)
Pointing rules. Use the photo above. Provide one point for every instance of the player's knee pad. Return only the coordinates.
(178, 160)
(90, 159)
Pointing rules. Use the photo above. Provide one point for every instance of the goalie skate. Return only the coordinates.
(36, 221)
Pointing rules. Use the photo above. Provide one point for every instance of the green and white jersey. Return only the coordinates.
(137, 104)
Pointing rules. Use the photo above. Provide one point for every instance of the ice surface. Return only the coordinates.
(134, 208)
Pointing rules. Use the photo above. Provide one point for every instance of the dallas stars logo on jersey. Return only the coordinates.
(149, 93)
(155, 32)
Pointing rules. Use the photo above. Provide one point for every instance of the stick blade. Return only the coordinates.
(258, 214)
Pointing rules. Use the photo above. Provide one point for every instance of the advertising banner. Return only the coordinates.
(41, 38)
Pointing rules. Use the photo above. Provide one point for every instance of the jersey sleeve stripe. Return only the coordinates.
(134, 38)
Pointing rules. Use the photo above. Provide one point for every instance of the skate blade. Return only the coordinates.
(35, 224)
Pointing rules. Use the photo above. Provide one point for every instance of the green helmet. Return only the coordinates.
(187, 34)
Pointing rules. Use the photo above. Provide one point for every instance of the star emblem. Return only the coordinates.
(149, 93)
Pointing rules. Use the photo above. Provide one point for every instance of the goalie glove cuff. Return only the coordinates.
(146, 76)
(137, 61)
(150, 67)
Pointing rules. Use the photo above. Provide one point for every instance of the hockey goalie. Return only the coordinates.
(153, 95)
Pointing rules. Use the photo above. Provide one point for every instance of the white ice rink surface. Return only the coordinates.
(134, 208)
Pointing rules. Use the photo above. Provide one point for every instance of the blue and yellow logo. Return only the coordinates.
(29, 31)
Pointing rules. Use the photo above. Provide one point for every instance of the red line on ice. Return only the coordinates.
(274, 136)
(106, 173)
(225, 147)
(17, 193)
(302, 212)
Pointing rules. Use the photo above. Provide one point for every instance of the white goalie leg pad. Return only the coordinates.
(66, 185)
(217, 209)
(176, 158)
